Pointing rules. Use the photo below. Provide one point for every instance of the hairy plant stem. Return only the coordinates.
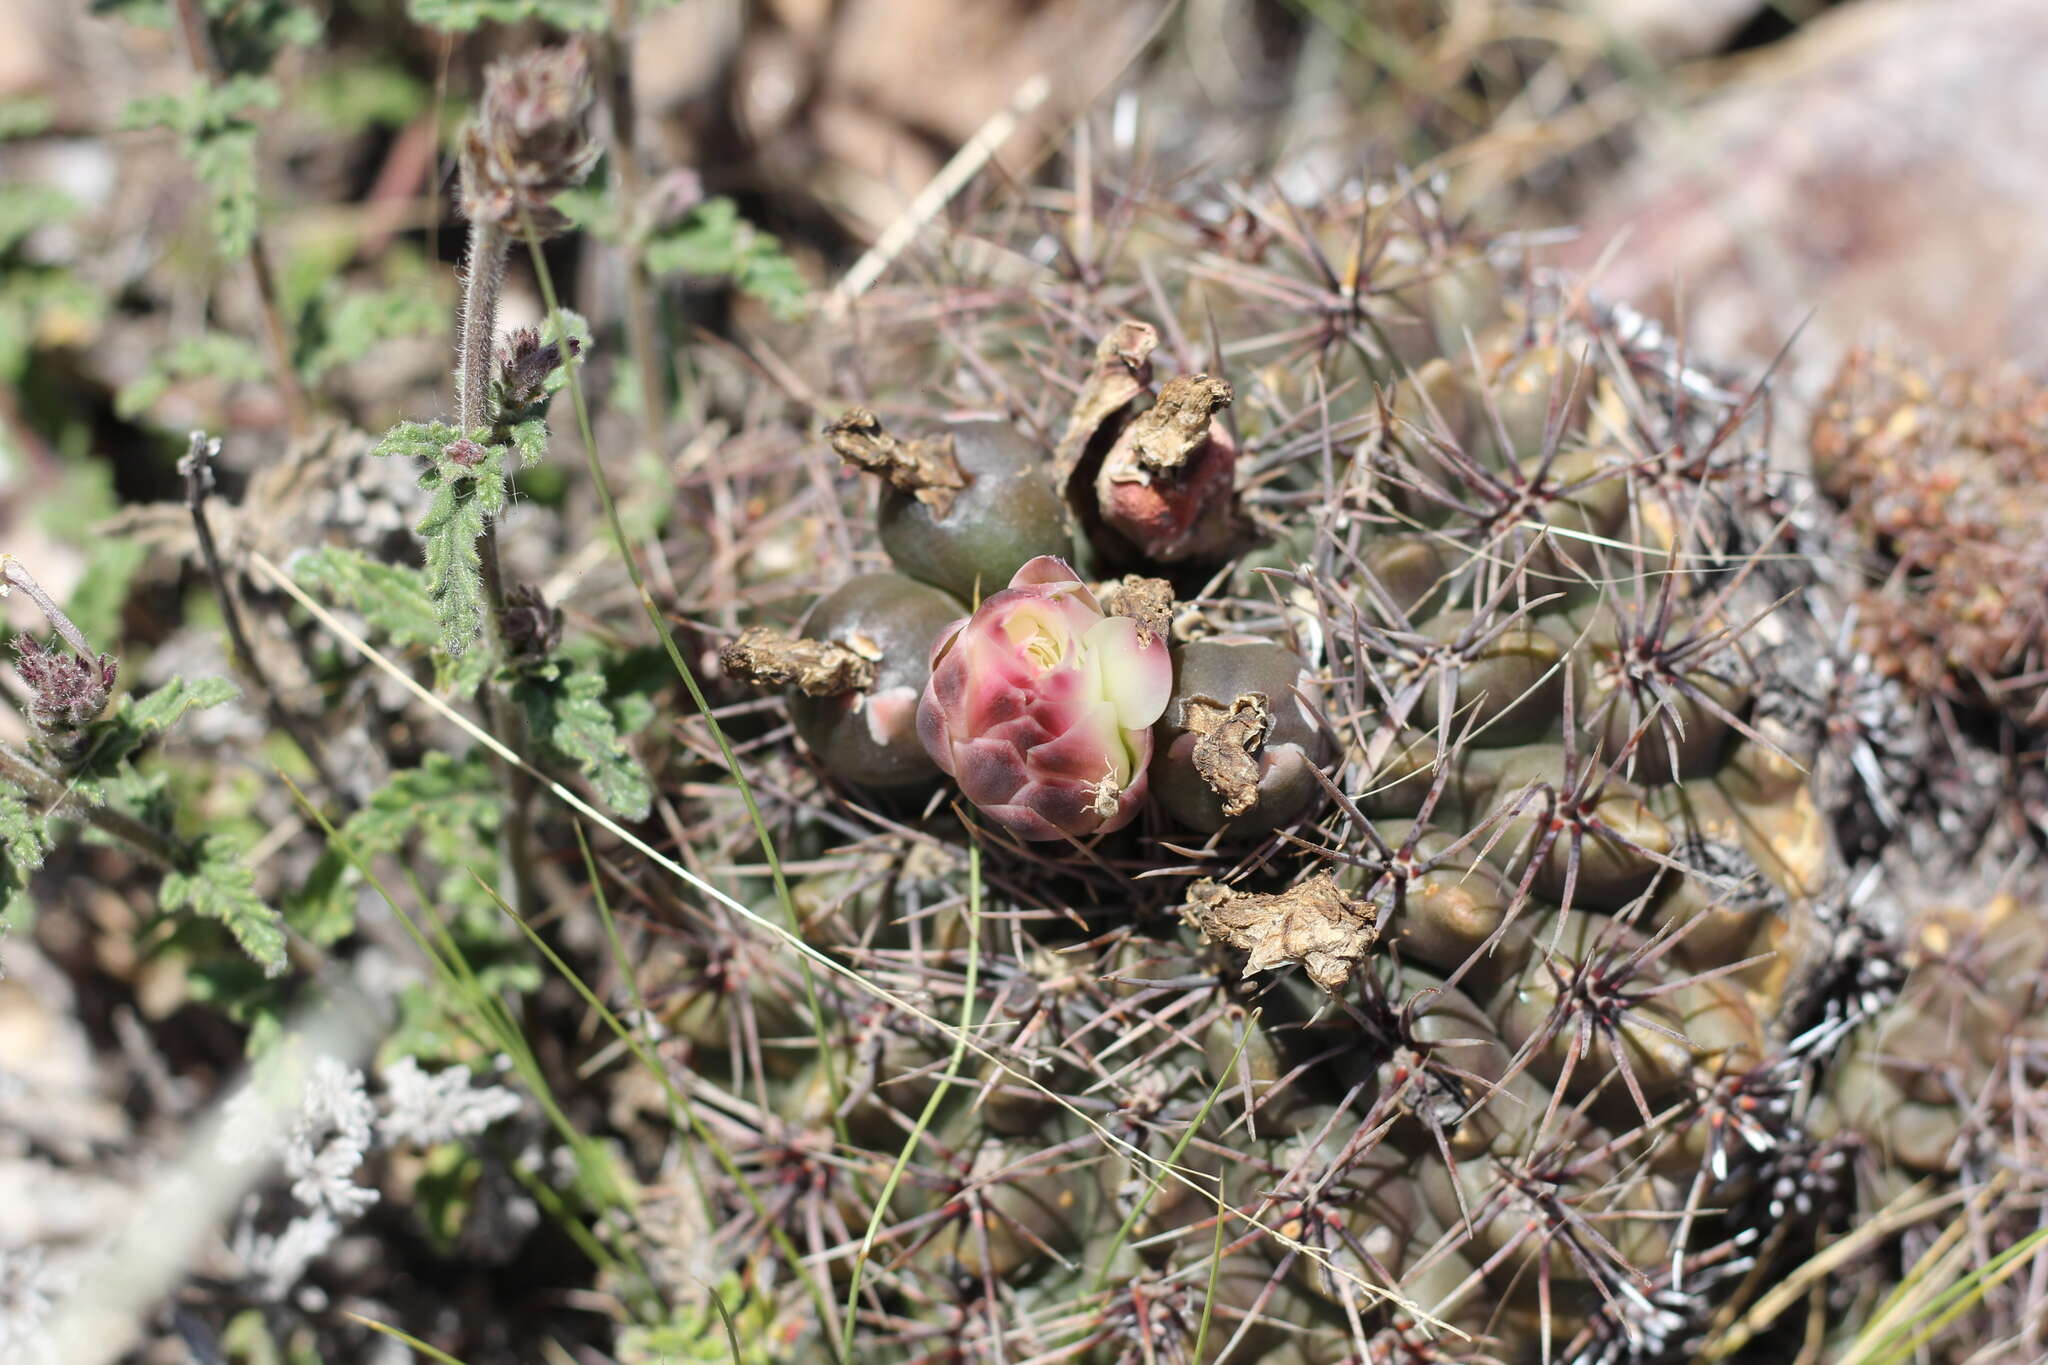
(643, 329)
(276, 337)
(197, 469)
(483, 277)
(60, 798)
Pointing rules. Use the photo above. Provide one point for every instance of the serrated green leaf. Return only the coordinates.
(219, 137)
(24, 840)
(133, 721)
(715, 242)
(452, 807)
(530, 439)
(464, 498)
(110, 567)
(421, 440)
(391, 598)
(569, 715)
(219, 886)
(463, 502)
(219, 356)
(167, 705)
(355, 325)
(441, 794)
(394, 603)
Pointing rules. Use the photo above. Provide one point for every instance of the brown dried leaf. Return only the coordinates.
(821, 668)
(1122, 371)
(1226, 752)
(926, 467)
(1148, 601)
(1165, 435)
(1315, 924)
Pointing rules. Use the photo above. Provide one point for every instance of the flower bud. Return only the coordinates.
(1041, 707)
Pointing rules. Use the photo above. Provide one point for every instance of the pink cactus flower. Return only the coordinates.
(1041, 707)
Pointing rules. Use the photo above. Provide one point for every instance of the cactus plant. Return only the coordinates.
(1465, 968)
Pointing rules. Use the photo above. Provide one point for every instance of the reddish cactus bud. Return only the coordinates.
(1040, 706)
(1168, 485)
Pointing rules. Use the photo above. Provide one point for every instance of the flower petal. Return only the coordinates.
(1133, 668)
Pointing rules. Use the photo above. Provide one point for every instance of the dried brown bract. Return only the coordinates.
(1226, 755)
(1122, 371)
(818, 668)
(1314, 924)
(1148, 601)
(1166, 435)
(925, 468)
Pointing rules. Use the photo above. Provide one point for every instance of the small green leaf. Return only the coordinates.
(219, 135)
(353, 327)
(713, 241)
(219, 886)
(421, 440)
(442, 794)
(23, 842)
(391, 598)
(530, 439)
(133, 721)
(464, 499)
(394, 602)
(569, 715)
(167, 705)
(211, 355)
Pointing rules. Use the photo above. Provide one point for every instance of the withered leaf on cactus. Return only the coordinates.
(1148, 601)
(1122, 371)
(1226, 752)
(818, 668)
(927, 469)
(1315, 924)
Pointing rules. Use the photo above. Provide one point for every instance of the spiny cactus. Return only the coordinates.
(1447, 961)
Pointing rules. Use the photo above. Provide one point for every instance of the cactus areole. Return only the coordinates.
(1040, 706)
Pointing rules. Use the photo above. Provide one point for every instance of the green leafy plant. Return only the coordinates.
(217, 127)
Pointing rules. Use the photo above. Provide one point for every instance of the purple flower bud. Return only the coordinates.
(1041, 707)
(67, 692)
